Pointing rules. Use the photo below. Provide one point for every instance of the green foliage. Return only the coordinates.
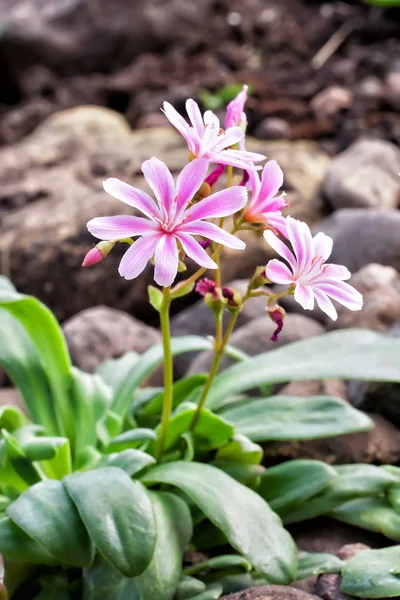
(86, 513)
(221, 97)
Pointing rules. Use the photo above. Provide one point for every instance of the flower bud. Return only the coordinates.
(205, 286)
(212, 295)
(214, 176)
(259, 279)
(276, 314)
(97, 253)
(233, 299)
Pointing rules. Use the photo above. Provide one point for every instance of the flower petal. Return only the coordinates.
(196, 119)
(221, 204)
(160, 181)
(120, 227)
(166, 261)
(132, 196)
(280, 248)
(138, 255)
(189, 181)
(236, 158)
(213, 232)
(271, 180)
(195, 251)
(277, 222)
(331, 271)
(303, 294)
(176, 119)
(254, 184)
(278, 272)
(325, 304)
(322, 245)
(228, 138)
(342, 292)
(300, 237)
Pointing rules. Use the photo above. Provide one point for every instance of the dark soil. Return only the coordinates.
(271, 45)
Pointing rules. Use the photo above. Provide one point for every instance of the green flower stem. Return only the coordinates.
(168, 371)
(218, 354)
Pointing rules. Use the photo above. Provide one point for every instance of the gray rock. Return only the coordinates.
(271, 592)
(99, 333)
(365, 175)
(380, 287)
(273, 128)
(254, 338)
(198, 319)
(330, 101)
(363, 236)
(391, 89)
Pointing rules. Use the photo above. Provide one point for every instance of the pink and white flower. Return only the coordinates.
(206, 139)
(170, 220)
(307, 271)
(265, 206)
(235, 115)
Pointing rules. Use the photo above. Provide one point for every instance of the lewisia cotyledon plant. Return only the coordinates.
(167, 234)
(206, 139)
(307, 270)
(171, 220)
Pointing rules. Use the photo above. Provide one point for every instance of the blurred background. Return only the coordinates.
(82, 83)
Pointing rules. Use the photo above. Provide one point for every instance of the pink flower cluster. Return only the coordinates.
(181, 211)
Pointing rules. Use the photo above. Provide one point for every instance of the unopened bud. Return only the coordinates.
(259, 278)
(276, 314)
(233, 299)
(97, 253)
(212, 295)
(214, 176)
(205, 286)
(205, 244)
(181, 267)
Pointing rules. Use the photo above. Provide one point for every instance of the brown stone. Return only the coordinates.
(11, 396)
(271, 592)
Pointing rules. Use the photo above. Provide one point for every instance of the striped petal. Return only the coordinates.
(132, 196)
(196, 119)
(213, 232)
(120, 227)
(189, 182)
(221, 204)
(344, 293)
(278, 272)
(228, 138)
(325, 304)
(166, 261)
(160, 182)
(280, 248)
(195, 251)
(175, 119)
(138, 255)
(271, 180)
(303, 294)
(322, 245)
(301, 240)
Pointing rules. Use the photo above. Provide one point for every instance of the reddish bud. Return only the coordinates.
(97, 253)
(276, 314)
(229, 295)
(205, 244)
(205, 286)
(213, 177)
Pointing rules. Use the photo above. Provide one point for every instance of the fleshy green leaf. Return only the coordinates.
(219, 562)
(41, 326)
(244, 517)
(240, 449)
(131, 438)
(373, 574)
(14, 543)
(353, 481)
(293, 483)
(131, 461)
(346, 354)
(188, 587)
(47, 515)
(373, 514)
(311, 564)
(160, 580)
(11, 418)
(118, 515)
(211, 430)
(295, 418)
(114, 370)
(212, 592)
